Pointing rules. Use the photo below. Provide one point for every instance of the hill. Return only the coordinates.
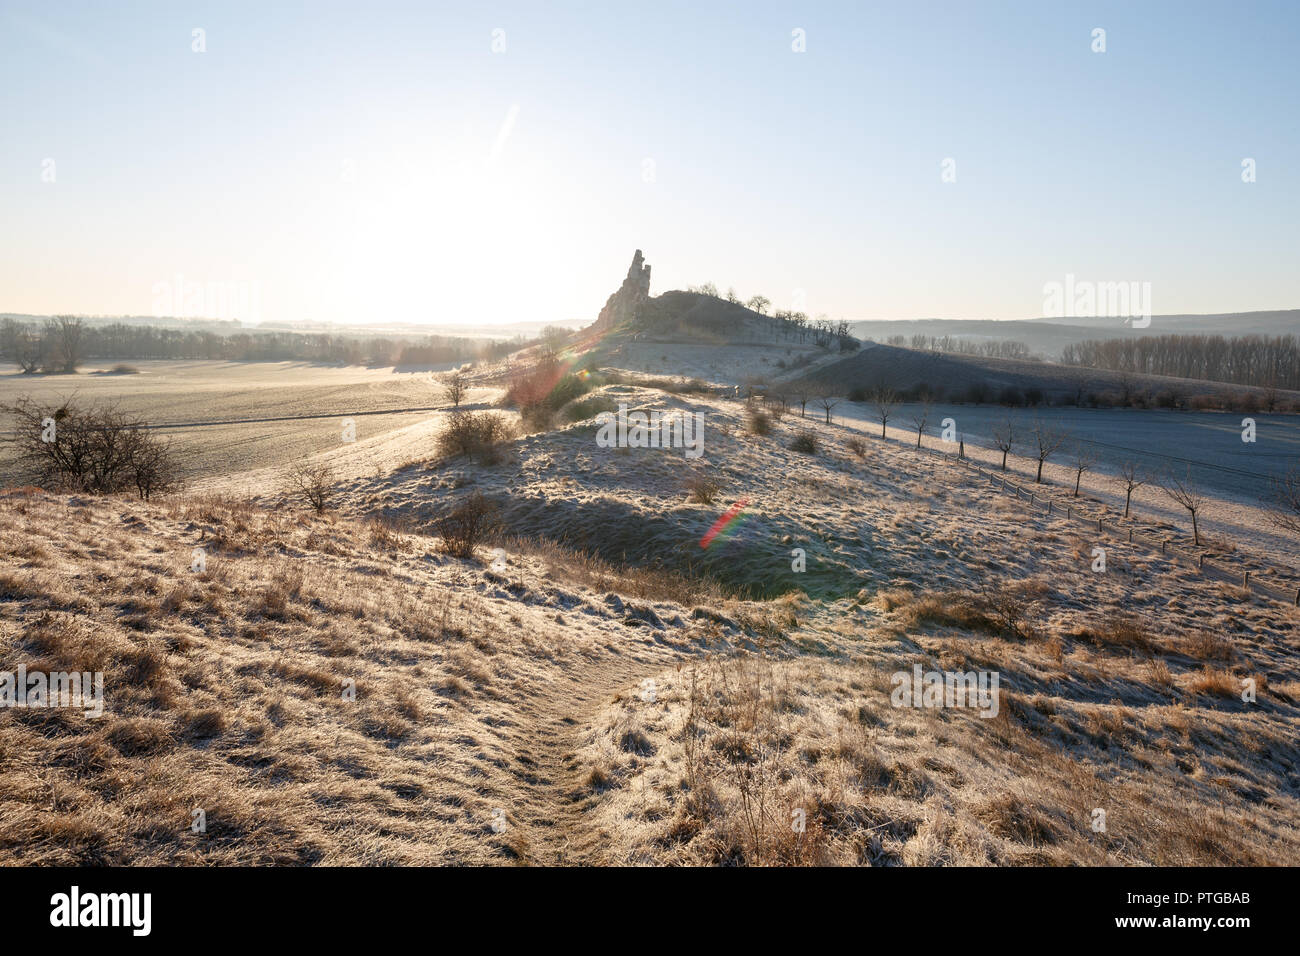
(693, 335)
(538, 704)
(975, 378)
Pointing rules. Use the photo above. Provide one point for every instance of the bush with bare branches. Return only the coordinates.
(93, 449)
(466, 525)
(703, 487)
(313, 482)
(806, 442)
(476, 435)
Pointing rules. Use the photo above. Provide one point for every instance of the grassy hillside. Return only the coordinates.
(646, 700)
(963, 377)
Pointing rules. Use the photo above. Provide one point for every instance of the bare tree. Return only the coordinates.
(1004, 434)
(455, 385)
(313, 482)
(1286, 500)
(63, 343)
(1186, 494)
(886, 400)
(828, 400)
(919, 420)
(759, 303)
(1084, 459)
(21, 345)
(1046, 441)
(555, 338)
(801, 394)
(1133, 479)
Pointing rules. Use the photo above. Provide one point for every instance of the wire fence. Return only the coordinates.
(1267, 581)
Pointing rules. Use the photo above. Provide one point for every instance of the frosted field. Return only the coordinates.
(308, 402)
(237, 426)
(1210, 442)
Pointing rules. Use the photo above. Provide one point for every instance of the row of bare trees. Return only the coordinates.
(789, 323)
(1041, 441)
(1264, 361)
(990, 348)
(57, 345)
(1044, 441)
(62, 343)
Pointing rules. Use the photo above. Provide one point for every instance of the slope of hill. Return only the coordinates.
(539, 705)
(692, 335)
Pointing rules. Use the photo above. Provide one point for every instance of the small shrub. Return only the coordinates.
(587, 408)
(805, 443)
(1125, 631)
(537, 417)
(758, 422)
(475, 435)
(704, 488)
(313, 483)
(858, 447)
(1216, 683)
(1205, 646)
(462, 528)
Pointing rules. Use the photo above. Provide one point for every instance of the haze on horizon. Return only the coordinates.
(403, 163)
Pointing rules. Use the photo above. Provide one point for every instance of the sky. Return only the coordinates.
(483, 163)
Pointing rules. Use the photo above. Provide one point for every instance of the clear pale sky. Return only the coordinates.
(372, 162)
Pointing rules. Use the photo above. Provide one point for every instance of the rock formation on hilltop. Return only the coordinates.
(622, 306)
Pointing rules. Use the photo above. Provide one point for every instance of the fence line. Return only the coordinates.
(1200, 560)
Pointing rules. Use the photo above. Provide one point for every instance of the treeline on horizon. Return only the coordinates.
(59, 344)
(988, 348)
(1258, 360)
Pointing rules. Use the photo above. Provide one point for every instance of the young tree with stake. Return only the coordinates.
(1133, 479)
(1046, 441)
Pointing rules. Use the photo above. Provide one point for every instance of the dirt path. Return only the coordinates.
(555, 799)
